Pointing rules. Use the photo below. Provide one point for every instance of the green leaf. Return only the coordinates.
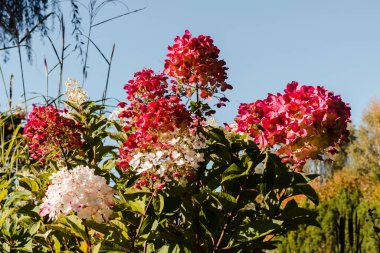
(158, 204)
(295, 215)
(310, 177)
(83, 247)
(16, 197)
(5, 214)
(57, 244)
(64, 229)
(34, 228)
(306, 190)
(3, 193)
(226, 201)
(164, 249)
(29, 184)
(136, 206)
(76, 225)
(234, 171)
(258, 228)
(118, 136)
(218, 135)
(221, 152)
(283, 180)
(170, 249)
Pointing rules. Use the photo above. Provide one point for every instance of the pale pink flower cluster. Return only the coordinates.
(75, 94)
(78, 190)
(177, 159)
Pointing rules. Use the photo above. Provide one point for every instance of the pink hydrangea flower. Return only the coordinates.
(303, 123)
(194, 61)
(146, 86)
(161, 146)
(48, 132)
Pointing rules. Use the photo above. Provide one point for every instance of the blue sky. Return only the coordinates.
(266, 44)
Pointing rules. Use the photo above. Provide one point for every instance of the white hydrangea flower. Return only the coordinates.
(75, 94)
(177, 159)
(78, 190)
(114, 114)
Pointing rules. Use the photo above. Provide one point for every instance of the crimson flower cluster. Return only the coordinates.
(302, 123)
(146, 121)
(146, 86)
(48, 132)
(194, 63)
(161, 145)
(153, 117)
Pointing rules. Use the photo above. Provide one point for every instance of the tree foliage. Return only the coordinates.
(348, 215)
(19, 19)
(363, 153)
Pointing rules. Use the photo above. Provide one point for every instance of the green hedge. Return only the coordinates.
(346, 226)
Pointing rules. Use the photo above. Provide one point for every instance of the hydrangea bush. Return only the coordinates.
(155, 174)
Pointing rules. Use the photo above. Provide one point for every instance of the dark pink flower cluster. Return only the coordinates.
(303, 123)
(145, 121)
(48, 132)
(150, 114)
(193, 61)
(146, 86)
(161, 146)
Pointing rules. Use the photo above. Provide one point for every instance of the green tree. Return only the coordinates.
(363, 153)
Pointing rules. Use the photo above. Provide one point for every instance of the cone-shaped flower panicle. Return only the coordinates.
(146, 86)
(75, 94)
(161, 143)
(80, 191)
(174, 161)
(48, 132)
(194, 61)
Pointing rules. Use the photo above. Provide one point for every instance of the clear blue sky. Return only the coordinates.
(266, 44)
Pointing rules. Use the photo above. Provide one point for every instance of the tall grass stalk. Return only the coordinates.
(108, 75)
(22, 75)
(62, 60)
(4, 83)
(47, 78)
(93, 9)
